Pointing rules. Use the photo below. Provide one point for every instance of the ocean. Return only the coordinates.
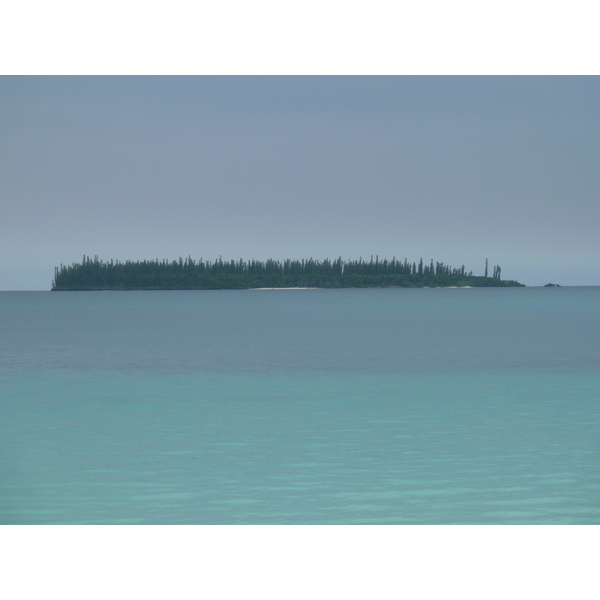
(347, 406)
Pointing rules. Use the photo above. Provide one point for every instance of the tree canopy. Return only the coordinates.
(95, 274)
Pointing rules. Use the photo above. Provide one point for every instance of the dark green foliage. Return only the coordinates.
(190, 274)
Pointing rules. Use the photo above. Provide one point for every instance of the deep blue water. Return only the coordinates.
(386, 406)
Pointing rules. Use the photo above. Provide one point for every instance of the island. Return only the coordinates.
(190, 274)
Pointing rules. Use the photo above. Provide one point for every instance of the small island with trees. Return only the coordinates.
(190, 274)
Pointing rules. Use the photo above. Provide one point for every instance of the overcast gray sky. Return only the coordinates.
(458, 169)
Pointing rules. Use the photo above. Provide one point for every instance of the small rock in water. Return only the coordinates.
(552, 285)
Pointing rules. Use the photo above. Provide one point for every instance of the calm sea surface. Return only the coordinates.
(391, 406)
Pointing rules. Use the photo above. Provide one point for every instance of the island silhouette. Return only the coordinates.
(190, 274)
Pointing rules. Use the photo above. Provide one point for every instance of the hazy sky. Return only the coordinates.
(458, 169)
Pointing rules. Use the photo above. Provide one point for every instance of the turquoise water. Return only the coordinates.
(386, 406)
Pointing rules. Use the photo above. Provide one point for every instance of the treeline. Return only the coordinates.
(94, 274)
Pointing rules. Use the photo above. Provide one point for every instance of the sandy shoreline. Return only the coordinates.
(445, 287)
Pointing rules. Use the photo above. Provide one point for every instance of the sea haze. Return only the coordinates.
(351, 406)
